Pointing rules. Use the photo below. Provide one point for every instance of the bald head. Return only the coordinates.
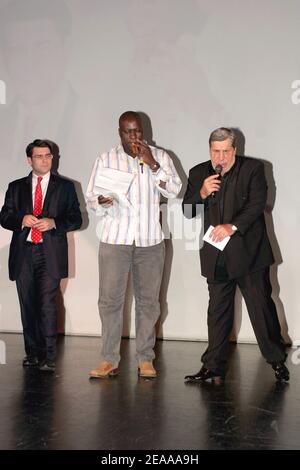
(129, 115)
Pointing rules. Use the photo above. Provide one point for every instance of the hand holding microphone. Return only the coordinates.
(141, 149)
(136, 150)
(211, 184)
(218, 170)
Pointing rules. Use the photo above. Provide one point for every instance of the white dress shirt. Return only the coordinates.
(44, 186)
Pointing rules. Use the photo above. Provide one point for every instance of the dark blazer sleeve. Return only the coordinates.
(9, 217)
(69, 218)
(192, 195)
(255, 200)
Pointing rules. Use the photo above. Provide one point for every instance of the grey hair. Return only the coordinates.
(223, 133)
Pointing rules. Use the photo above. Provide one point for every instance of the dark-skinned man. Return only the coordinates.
(131, 240)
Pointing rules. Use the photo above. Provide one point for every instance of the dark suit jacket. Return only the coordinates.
(249, 248)
(60, 204)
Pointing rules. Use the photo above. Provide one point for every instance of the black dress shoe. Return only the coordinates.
(47, 365)
(203, 375)
(281, 372)
(30, 361)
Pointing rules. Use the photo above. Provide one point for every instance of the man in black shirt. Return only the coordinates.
(234, 203)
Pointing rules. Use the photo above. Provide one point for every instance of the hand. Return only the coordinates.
(220, 232)
(44, 224)
(210, 185)
(145, 153)
(29, 220)
(105, 200)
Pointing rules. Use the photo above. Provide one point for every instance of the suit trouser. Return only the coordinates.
(115, 263)
(37, 293)
(256, 290)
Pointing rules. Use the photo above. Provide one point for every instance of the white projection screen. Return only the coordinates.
(69, 68)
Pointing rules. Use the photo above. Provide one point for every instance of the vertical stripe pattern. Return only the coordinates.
(138, 223)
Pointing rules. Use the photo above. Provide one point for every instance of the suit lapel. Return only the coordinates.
(52, 185)
(28, 194)
(231, 195)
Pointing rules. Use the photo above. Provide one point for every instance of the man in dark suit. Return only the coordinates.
(233, 191)
(40, 209)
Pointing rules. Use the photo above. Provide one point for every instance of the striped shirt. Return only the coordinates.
(139, 222)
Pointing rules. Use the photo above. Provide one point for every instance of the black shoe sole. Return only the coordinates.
(282, 379)
(214, 380)
(29, 363)
(47, 368)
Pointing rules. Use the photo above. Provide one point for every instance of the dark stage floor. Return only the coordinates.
(68, 411)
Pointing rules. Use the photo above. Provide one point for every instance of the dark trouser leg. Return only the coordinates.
(27, 300)
(220, 321)
(37, 295)
(256, 290)
(46, 293)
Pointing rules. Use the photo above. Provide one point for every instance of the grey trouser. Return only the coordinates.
(115, 263)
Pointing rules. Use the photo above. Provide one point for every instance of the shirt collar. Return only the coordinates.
(46, 177)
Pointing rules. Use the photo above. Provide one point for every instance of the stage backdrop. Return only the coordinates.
(69, 68)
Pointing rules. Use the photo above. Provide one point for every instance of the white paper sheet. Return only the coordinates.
(220, 245)
(114, 180)
(115, 184)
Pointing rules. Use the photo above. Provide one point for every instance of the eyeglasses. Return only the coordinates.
(47, 156)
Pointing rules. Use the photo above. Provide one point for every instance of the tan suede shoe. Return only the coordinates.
(105, 369)
(146, 369)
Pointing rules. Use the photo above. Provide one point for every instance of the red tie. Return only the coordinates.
(36, 235)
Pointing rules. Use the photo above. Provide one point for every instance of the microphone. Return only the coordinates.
(135, 151)
(218, 171)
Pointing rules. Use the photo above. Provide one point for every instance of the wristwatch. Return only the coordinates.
(234, 228)
(155, 167)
